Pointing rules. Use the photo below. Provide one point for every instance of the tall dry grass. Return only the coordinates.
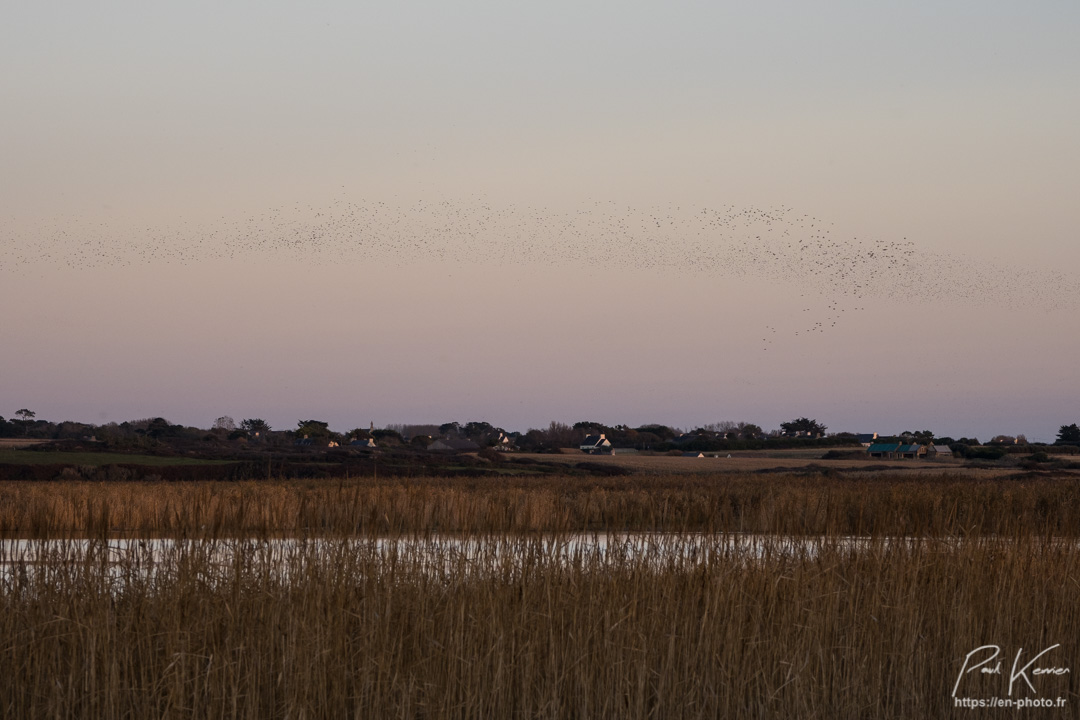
(372, 609)
(339, 628)
(787, 504)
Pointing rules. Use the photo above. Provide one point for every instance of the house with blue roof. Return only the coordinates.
(911, 452)
(896, 451)
(885, 451)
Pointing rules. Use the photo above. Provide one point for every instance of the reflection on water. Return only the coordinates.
(436, 553)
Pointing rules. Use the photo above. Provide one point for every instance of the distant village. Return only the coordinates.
(591, 438)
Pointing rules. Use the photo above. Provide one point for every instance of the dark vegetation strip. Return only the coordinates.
(38, 457)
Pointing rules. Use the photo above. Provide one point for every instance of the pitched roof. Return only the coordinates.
(595, 440)
(884, 447)
(456, 444)
(910, 448)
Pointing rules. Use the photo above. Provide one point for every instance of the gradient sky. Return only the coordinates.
(949, 126)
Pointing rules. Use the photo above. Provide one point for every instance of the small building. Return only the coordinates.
(596, 445)
(866, 439)
(885, 451)
(504, 442)
(938, 451)
(911, 452)
(363, 444)
(807, 434)
(453, 445)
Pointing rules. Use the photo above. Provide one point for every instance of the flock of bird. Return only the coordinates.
(835, 273)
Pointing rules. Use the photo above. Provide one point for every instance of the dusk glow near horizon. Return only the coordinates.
(624, 213)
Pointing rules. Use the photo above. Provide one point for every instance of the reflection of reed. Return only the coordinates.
(522, 626)
(481, 552)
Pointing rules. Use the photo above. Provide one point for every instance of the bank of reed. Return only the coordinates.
(942, 505)
(355, 599)
(345, 628)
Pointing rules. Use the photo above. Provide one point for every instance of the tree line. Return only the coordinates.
(650, 436)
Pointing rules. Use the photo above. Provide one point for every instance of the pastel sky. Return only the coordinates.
(626, 212)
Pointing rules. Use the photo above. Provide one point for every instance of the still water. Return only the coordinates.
(440, 552)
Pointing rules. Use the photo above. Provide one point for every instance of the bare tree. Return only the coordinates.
(413, 430)
(225, 423)
(562, 435)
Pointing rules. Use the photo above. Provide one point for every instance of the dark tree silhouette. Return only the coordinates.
(803, 425)
(1069, 434)
(255, 426)
(25, 416)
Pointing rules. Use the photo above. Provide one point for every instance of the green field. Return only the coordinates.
(31, 457)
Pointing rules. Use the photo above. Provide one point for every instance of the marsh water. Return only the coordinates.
(443, 551)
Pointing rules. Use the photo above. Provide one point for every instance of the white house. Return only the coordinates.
(596, 445)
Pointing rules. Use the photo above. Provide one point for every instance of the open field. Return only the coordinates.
(96, 459)
(749, 461)
(68, 461)
(16, 443)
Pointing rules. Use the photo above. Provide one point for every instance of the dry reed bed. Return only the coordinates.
(335, 629)
(943, 505)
